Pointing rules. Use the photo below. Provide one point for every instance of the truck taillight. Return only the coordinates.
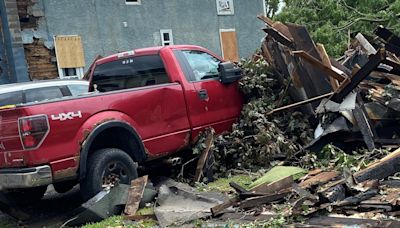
(33, 130)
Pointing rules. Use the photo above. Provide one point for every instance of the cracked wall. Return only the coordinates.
(38, 46)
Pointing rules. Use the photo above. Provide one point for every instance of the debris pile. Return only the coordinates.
(359, 91)
(321, 197)
(258, 138)
(298, 98)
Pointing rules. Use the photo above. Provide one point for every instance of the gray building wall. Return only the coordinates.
(100, 23)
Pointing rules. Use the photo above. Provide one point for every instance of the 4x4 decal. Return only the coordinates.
(66, 116)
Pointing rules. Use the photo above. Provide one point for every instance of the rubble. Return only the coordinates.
(354, 100)
(326, 130)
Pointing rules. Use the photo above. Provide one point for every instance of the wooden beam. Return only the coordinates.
(315, 62)
(319, 179)
(278, 36)
(371, 65)
(260, 200)
(204, 156)
(327, 62)
(381, 169)
(217, 210)
(266, 20)
(274, 187)
(239, 189)
(135, 195)
(364, 127)
(295, 105)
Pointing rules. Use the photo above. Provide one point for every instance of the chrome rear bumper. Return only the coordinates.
(25, 177)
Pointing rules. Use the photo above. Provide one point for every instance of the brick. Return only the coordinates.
(12, 18)
(18, 39)
(11, 4)
(14, 25)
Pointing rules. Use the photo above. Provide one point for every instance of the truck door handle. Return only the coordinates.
(203, 95)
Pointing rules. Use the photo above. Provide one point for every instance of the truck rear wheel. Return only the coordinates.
(25, 196)
(107, 167)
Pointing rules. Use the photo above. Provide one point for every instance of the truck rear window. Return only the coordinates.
(129, 73)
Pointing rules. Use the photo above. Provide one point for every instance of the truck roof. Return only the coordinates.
(144, 51)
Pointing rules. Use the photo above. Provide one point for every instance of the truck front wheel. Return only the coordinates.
(107, 167)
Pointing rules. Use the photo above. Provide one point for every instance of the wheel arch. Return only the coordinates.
(120, 135)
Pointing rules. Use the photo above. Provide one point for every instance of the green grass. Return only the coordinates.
(118, 221)
(222, 184)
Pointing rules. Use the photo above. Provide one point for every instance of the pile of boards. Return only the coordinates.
(369, 197)
(356, 97)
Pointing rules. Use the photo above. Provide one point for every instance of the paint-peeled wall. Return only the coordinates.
(108, 26)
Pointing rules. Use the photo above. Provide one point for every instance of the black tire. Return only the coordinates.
(25, 196)
(104, 163)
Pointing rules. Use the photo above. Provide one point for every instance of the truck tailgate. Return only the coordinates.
(10, 143)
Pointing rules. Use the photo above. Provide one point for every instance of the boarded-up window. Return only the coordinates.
(229, 45)
(70, 57)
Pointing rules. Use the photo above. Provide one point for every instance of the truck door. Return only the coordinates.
(211, 104)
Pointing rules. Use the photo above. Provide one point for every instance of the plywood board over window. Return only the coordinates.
(229, 45)
(70, 56)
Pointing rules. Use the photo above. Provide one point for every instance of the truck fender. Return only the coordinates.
(139, 155)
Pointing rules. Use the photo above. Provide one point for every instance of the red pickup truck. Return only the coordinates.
(143, 104)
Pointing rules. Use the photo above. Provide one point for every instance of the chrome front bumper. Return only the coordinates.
(25, 177)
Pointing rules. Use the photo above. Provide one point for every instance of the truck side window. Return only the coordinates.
(204, 65)
(11, 98)
(130, 72)
(40, 94)
(78, 89)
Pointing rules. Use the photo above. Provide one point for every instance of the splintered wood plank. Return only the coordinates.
(221, 207)
(135, 195)
(260, 200)
(273, 187)
(327, 62)
(319, 179)
(318, 64)
(381, 169)
(203, 157)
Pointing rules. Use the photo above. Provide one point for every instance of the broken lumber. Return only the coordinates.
(135, 195)
(204, 156)
(239, 189)
(295, 105)
(318, 64)
(217, 210)
(274, 187)
(387, 166)
(327, 62)
(373, 63)
(260, 200)
(319, 179)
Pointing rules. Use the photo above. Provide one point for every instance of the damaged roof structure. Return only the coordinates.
(357, 91)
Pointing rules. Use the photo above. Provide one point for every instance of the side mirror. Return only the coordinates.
(229, 72)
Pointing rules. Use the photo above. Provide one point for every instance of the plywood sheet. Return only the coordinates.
(229, 46)
(69, 51)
